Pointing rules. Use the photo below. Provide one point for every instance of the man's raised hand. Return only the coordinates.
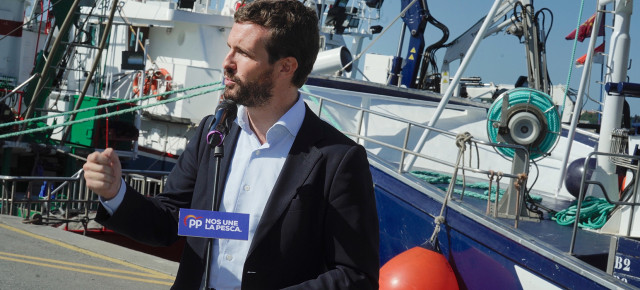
(103, 173)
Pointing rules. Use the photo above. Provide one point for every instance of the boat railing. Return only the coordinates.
(319, 103)
(404, 149)
(630, 200)
(54, 200)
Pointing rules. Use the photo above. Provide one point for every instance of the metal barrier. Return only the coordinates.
(147, 183)
(23, 194)
(55, 200)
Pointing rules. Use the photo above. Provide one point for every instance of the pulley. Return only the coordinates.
(525, 117)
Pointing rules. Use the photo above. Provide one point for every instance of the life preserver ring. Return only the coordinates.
(159, 77)
(147, 84)
(153, 79)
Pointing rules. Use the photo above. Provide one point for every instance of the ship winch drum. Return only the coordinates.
(529, 119)
(524, 128)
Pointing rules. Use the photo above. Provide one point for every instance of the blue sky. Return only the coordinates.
(500, 58)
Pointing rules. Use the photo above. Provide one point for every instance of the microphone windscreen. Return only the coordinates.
(225, 113)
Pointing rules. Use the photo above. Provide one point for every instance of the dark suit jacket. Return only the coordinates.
(319, 229)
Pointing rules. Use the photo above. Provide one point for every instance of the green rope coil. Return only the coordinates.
(593, 213)
(535, 99)
(436, 178)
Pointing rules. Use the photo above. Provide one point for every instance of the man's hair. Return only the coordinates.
(293, 28)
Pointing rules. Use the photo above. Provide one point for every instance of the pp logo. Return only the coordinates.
(192, 221)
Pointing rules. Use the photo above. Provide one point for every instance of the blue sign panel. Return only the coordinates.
(626, 263)
(213, 224)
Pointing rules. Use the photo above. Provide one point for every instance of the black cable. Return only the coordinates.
(530, 203)
(544, 18)
(541, 27)
(430, 52)
(517, 17)
(627, 192)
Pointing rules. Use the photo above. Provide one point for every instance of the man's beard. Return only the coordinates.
(252, 93)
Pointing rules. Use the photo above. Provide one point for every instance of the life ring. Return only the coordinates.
(147, 84)
(159, 77)
(152, 81)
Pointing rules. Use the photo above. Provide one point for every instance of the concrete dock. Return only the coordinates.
(44, 257)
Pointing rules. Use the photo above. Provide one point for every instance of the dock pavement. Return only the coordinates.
(44, 257)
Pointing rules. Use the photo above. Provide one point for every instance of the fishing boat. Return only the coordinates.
(475, 171)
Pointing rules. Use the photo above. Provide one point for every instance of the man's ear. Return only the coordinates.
(287, 66)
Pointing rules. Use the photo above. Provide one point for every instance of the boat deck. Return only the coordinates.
(590, 246)
(43, 257)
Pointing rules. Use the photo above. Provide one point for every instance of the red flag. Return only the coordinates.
(597, 58)
(585, 28)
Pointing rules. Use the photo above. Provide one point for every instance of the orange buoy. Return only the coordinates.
(418, 268)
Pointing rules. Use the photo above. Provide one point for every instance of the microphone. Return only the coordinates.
(226, 112)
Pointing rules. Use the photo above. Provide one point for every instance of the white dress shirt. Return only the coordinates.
(253, 172)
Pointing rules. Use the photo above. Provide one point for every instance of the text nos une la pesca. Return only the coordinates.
(221, 225)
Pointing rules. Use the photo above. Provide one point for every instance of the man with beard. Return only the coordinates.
(307, 187)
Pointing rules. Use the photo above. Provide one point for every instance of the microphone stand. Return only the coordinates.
(215, 205)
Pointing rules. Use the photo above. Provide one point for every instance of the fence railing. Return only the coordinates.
(56, 200)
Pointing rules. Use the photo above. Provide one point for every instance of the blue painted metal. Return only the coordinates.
(416, 21)
(481, 257)
(396, 69)
(627, 261)
(623, 88)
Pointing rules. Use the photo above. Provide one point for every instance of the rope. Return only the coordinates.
(535, 98)
(573, 57)
(461, 139)
(490, 176)
(439, 178)
(593, 213)
(522, 178)
(111, 114)
(126, 20)
(35, 18)
(496, 198)
(109, 104)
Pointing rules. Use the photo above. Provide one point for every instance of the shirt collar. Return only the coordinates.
(291, 120)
